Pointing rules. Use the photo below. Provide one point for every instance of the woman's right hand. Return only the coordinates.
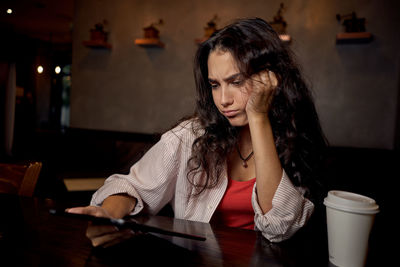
(102, 235)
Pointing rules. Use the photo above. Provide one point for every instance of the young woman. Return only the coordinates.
(248, 158)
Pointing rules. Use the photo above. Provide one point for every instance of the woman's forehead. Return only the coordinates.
(221, 64)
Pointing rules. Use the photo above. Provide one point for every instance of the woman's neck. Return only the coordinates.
(244, 141)
(241, 160)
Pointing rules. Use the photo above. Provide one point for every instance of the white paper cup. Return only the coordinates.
(349, 220)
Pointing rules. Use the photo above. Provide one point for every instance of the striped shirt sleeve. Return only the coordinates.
(151, 180)
(290, 211)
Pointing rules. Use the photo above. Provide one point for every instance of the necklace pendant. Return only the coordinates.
(244, 159)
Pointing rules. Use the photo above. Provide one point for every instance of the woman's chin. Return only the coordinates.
(238, 121)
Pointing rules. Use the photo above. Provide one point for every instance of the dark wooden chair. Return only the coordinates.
(19, 179)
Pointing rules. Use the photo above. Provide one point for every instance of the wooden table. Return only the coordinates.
(30, 236)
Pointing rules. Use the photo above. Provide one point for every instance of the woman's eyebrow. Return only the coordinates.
(210, 80)
(233, 77)
(228, 79)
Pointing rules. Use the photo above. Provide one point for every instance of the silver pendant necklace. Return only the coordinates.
(244, 159)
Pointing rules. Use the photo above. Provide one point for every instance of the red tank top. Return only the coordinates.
(235, 209)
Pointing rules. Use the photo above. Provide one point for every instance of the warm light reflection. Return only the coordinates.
(285, 37)
(57, 69)
(40, 69)
(9, 11)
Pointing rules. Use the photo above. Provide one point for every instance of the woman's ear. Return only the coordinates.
(272, 78)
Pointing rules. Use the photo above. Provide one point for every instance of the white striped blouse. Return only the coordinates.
(159, 178)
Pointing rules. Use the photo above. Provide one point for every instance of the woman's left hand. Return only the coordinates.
(261, 91)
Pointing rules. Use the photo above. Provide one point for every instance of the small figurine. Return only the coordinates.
(279, 24)
(151, 31)
(355, 31)
(98, 33)
(211, 27)
(352, 23)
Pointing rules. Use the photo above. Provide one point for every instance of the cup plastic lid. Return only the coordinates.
(351, 202)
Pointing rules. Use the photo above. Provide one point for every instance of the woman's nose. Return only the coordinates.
(226, 97)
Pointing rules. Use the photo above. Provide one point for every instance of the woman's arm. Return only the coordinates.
(120, 205)
(267, 165)
(151, 181)
(280, 208)
(290, 212)
(115, 206)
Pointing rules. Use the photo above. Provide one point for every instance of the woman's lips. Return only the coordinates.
(230, 113)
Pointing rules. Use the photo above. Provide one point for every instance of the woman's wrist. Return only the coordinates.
(257, 117)
(119, 205)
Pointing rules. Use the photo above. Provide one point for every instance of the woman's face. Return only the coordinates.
(228, 87)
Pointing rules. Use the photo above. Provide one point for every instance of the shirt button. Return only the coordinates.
(209, 207)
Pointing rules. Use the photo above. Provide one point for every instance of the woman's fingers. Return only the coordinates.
(261, 92)
(263, 83)
(81, 210)
(265, 80)
(272, 79)
(90, 210)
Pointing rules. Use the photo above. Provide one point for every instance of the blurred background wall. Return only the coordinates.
(134, 89)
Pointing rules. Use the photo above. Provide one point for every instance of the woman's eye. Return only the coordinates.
(237, 82)
(214, 85)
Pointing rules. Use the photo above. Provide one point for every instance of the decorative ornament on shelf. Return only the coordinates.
(279, 24)
(355, 32)
(151, 36)
(98, 36)
(210, 28)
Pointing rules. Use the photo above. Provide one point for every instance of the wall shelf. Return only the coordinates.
(99, 44)
(149, 42)
(353, 37)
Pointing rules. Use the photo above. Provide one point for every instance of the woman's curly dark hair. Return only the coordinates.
(299, 140)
